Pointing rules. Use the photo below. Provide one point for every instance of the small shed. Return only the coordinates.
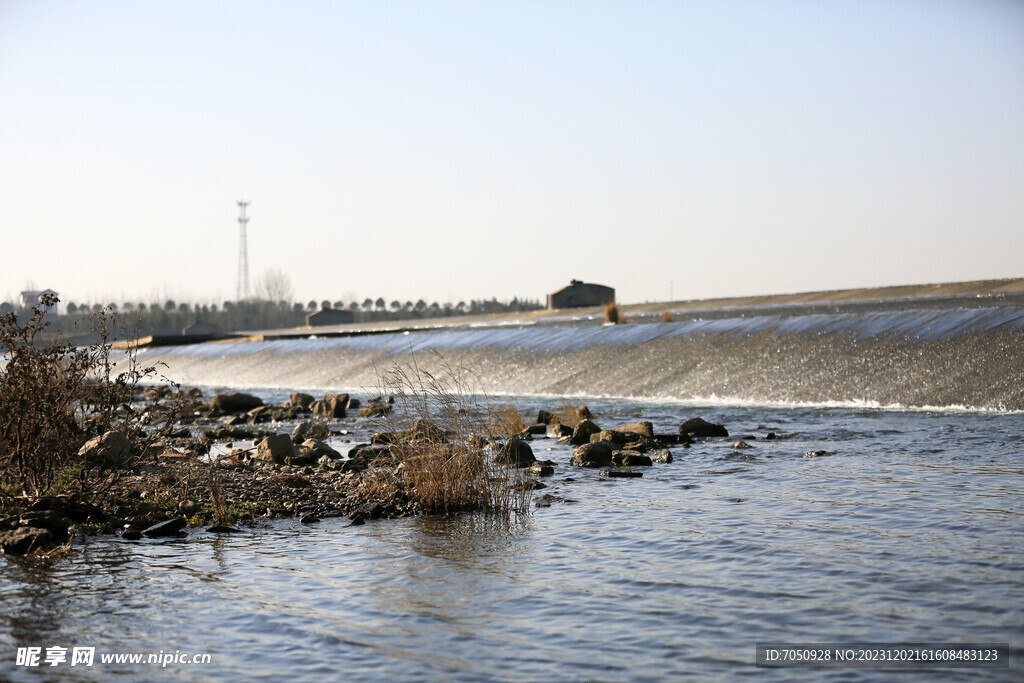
(34, 298)
(581, 294)
(329, 316)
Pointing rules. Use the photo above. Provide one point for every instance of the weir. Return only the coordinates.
(943, 358)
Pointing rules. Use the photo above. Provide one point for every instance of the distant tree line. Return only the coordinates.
(171, 317)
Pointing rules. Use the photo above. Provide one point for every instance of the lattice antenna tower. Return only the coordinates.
(243, 253)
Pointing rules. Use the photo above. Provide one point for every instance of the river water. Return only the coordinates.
(908, 530)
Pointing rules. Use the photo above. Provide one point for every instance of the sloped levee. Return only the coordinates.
(951, 358)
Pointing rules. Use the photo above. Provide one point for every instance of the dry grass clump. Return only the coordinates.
(570, 415)
(667, 317)
(613, 315)
(505, 420)
(442, 466)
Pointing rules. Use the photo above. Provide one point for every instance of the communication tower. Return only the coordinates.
(243, 253)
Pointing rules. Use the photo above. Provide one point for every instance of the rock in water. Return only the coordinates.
(584, 429)
(331, 406)
(235, 402)
(644, 428)
(661, 457)
(597, 454)
(697, 426)
(23, 539)
(620, 473)
(169, 528)
(557, 430)
(301, 402)
(539, 469)
(515, 452)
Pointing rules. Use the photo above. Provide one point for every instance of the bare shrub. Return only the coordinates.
(53, 398)
(442, 465)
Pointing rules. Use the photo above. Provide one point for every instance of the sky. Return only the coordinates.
(467, 150)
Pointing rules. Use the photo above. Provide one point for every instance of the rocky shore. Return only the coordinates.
(236, 461)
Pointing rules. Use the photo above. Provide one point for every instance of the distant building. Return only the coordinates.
(329, 316)
(581, 294)
(32, 298)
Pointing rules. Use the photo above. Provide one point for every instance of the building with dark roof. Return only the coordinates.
(581, 294)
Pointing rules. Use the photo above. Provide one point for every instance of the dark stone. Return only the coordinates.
(631, 459)
(188, 507)
(771, 436)
(597, 454)
(51, 520)
(23, 540)
(233, 433)
(235, 402)
(741, 445)
(515, 452)
(617, 473)
(223, 529)
(131, 534)
(309, 519)
(581, 434)
(539, 469)
(698, 427)
(816, 454)
(544, 417)
(537, 429)
(169, 528)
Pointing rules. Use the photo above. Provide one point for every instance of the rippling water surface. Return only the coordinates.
(910, 530)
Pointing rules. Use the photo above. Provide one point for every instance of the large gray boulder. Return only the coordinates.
(276, 449)
(597, 454)
(111, 449)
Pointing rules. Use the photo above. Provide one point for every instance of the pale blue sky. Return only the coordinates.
(457, 150)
